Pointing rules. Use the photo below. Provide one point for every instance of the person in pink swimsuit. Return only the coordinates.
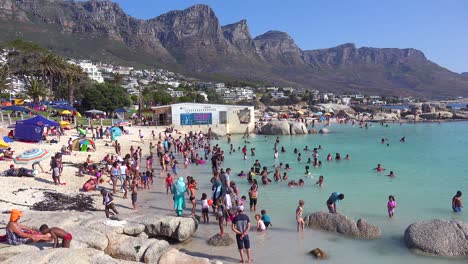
(391, 205)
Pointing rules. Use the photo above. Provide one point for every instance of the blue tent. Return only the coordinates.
(32, 129)
(121, 110)
(65, 107)
(16, 108)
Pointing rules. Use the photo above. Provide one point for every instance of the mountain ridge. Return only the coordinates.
(193, 41)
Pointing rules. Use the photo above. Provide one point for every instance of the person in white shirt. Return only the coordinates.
(260, 225)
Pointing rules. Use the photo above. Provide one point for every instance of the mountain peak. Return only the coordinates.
(273, 34)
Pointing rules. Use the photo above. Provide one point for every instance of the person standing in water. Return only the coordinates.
(391, 205)
(457, 202)
(332, 200)
(300, 220)
(241, 226)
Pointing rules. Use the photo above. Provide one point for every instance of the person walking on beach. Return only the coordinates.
(332, 200)
(300, 220)
(241, 226)
(108, 202)
(457, 202)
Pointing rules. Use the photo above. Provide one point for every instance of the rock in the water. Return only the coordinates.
(437, 115)
(298, 129)
(218, 240)
(174, 256)
(438, 237)
(155, 251)
(313, 131)
(460, 115)
(324, 130)
(342, 224)
(318, 253)
(276, 128)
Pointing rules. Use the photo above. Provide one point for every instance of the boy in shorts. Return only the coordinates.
(57, 233)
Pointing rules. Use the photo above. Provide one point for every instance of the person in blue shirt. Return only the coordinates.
(266, 219)
(331, 202)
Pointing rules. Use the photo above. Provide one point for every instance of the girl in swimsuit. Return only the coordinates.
(391, 206)
(192, 187)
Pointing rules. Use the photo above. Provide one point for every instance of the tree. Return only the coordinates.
(72, 73)
(266, 99)
(36, 89)
(162, 97)
(105, 97)
(4, 78)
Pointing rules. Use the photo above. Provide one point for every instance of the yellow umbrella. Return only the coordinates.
(327, 114)
(3, 144)
(66, 112)
(64, 123)
(300, 112)
(78, 114)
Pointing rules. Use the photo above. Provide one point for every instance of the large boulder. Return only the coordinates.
(54, 256)
(437, 115)
(427, 108)
(88, 238)
(7, 251)
(438, 237)
(460, 115)
(334, 108)
(342, 224)
(324, 130)
(178, 228)
(298, 128)
(385, 117)
(276, 128)
(130, 248)
(416, 109)
(155, 251)
(174, 256)
(220, 241)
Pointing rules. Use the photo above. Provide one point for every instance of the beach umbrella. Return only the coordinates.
(65, 107)
(327, 114)
(78, 114)
(116, 131)
(300, 112)
(87, 142)
(66, 112)
(319, 113)
(32, 155)
(94, 111)
(3, 144)
(64, 123)
(81, 131)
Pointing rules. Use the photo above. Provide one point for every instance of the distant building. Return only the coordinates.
(200, 117)
(92, 71)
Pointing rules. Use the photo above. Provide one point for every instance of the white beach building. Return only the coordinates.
(222, 119)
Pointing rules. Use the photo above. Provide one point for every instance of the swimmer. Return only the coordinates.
(301, 182)
(337, 156)
(403, 140)
(276, 155)
(306, 148)
(287, 167)
(241, 174)
(379, 168)
(309, 160)
(391, 205)
(347, 157)
(391, 174)
(283, 150)
(292, 183)
(320, 181)
(382, 141)
(329, 157)
(457, 202)
(299, 158)
(320, 147)
(295, 151)
(307, 170)
(285, 176)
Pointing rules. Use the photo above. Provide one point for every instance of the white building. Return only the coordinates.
(221, 119)
(92, 71)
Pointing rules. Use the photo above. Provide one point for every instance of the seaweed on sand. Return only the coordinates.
(58, 202)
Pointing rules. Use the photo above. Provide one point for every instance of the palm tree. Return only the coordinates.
(36, 89)
(4, 80)
(51, 67)
(72, 73)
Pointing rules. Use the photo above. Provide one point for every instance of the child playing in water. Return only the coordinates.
(285, 176)
(57, 233)
(299, 211)
(320, 181)
(266, 218)
(260, 225)
(391, 205)
(300, 182)
(205, 208)
(307, 170)
(168, 183)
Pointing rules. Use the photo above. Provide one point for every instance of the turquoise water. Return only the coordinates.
(430, 167)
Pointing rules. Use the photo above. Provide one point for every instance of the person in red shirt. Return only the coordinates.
(168, 183)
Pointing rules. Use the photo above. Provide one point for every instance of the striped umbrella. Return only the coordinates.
(31, 155)
(87, 142)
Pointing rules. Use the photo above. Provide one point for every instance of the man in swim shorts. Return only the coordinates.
(457, 202)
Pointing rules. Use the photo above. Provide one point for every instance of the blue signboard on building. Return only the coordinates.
(196, 119)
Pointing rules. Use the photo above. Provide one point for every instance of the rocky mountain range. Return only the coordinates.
(194, 42)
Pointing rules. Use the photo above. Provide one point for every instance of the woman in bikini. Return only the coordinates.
(192, 187)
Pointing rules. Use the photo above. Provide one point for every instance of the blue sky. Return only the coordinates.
(437, 27)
